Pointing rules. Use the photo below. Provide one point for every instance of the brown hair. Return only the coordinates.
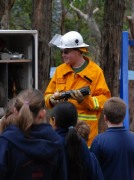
(115, 110)
(28, 104)
(83, 129)
(9, 116)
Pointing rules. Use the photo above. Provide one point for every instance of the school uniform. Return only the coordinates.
(114, 150)
(91, 166)
(38, 155)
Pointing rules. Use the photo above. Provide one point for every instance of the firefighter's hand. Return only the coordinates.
(77, 95)
(53, 101)
(56, 95)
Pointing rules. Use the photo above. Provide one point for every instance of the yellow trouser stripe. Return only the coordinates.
(87, 117)
(96, 103)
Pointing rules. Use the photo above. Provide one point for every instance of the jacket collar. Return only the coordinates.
(67, 68)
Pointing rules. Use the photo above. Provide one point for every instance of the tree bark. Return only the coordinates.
(5, 7)
(111, 46)
(131, 67)
(111, 42)
(42, 16)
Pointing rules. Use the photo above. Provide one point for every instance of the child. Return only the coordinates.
(81, 163)
(83, 129)
(29, 148)
(114, 148)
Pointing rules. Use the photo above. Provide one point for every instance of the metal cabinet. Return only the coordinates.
(18, 62)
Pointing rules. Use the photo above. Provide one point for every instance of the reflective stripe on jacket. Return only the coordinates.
(66, 79)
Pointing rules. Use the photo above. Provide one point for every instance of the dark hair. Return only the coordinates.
(115, 110)
(28, 104)
(65, 114)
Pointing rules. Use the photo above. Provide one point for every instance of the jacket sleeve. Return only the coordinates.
(99, 94)
(50, 91)
(4, 151)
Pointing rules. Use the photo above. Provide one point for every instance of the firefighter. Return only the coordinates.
(76, 72)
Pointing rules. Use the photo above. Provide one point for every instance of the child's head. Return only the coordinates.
(9, 116)
(30, 108)
(9, 109)
(83, 129)
(64, 114)
(115, 110)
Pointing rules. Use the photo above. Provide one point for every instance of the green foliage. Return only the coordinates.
(74, 22)
(21, 18)
(21, 14)
(56, 56)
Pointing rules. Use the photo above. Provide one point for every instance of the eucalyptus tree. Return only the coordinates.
(5, 8)
(130, 20)
(111, 42)
(42, 16)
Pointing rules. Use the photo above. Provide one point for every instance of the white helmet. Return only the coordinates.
(71, 39)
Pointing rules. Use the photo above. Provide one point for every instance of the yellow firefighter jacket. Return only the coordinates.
(90, 109)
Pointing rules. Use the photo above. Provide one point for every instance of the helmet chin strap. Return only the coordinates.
(84, 49)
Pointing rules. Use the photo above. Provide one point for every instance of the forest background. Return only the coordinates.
(100, 22)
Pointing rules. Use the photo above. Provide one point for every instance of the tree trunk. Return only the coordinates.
(111, 46)
(131, 89)
(5, 7)
(131, 67)
(111, 42)
(42, 15)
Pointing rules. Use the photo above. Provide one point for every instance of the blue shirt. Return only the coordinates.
(114, 150)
